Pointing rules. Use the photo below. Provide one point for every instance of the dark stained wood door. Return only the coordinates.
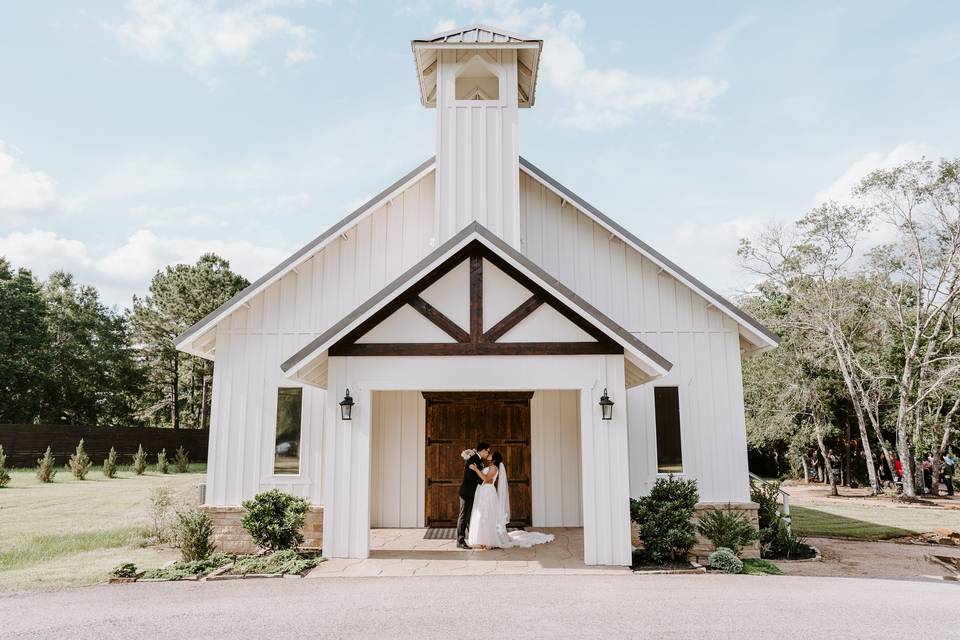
(459, 420)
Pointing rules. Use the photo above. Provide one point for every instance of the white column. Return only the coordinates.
(346, 468)
(605, 470)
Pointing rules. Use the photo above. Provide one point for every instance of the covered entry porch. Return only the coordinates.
(474, 317)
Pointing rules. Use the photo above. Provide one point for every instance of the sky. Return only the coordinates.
(136, 134)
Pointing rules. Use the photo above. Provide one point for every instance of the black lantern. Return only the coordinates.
(606, 406)
(346, 406)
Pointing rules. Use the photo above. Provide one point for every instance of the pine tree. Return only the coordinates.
(4, 475)
(80, 462)
(140, 461)
(162, 461)
(182, 460)
(110, 464)
(46, 467)
(179, 296)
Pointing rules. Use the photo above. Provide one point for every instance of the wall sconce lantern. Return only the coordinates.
(606, 406)
(346, 406)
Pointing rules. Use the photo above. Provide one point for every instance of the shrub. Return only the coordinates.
(758, 567)
(664, 520)
(110, 464)
(274, 519)
(46, 467)
(161, 503)
(725, 560)
(194, 535)
(776, 540)
(181, 570)
(728, 529)
(182, 460)
(4, 475)
(125, 570)
(162, 461)
(80, 462)
(140, 461)
(287, 561)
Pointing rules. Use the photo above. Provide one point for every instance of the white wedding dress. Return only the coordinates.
(491, 513)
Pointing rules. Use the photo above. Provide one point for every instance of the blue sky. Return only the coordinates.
(136, 134)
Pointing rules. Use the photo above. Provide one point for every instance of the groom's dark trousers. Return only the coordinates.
(468, 488)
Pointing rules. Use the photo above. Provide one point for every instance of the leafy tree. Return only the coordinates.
(179, 296)
(93, 377)
(23, 345)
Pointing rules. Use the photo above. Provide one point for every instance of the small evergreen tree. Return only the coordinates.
(46, 467)
(664, 519)
(140, 461)
(274, 519)
(162, 461)
(110, 464)
(182, 460)
(194, 535)
(80, 462)
(4, 476)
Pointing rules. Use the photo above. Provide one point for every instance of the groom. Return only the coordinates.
(468, 489)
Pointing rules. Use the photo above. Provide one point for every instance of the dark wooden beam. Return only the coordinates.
(476, 297)
(512, 319)
(476, 349)
(435, 316)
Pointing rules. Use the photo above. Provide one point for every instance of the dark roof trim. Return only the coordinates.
(409, 276)
(306, 249)
(659, 257)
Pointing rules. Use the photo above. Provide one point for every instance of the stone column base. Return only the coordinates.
(703, 548)
(229, 536)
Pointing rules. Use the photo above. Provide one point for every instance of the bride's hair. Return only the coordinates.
(496, 458)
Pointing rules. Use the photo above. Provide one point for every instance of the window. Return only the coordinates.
(286, 458)
(666, 402)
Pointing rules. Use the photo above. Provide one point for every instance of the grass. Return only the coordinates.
(758, 567)
(858, 522)
(72, 532)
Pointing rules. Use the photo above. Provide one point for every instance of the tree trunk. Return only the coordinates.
(827, 467)
(175, 392)
(203, 401)
(806, 469)
(847, 455)
(858, 410)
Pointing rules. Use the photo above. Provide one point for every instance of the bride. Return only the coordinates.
(491, 513)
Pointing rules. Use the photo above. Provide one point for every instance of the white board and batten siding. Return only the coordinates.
(702, 343)
(255, 339)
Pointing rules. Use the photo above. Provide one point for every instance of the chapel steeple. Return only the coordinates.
(477, 78)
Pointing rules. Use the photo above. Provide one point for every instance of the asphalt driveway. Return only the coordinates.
(710, 606)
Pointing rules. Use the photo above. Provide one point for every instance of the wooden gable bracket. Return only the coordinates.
(476, 341)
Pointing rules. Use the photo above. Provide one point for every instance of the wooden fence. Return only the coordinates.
(24, 443)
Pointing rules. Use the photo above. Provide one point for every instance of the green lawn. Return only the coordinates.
(868, 522)
(72, 532)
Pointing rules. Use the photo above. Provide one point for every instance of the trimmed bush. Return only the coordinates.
(728, 529)
(725, 560)
(46, 467)
(162, 461)
(182, 460)
(80, 462)
(110, 464)
(139, 461)
(4, 475)
(274, 519)
(194, 535)
(664, 520)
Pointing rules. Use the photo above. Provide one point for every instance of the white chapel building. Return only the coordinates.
(476, 298)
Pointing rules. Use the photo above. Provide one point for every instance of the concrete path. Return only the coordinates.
(405, 552)
(535, 606)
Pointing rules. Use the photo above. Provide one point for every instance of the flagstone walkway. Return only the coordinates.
(404, 552)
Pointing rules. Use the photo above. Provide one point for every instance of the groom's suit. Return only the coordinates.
(468, 488)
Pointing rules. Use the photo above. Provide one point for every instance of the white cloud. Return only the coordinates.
(26, 193)
(202, 33)
(599, 98)
(444, 25)
(117, 271)
(840, 189)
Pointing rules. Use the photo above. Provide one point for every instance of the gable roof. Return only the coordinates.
(762, 337)
(477, 34)
(636, 352)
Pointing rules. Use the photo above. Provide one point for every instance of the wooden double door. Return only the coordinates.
(459, 420)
